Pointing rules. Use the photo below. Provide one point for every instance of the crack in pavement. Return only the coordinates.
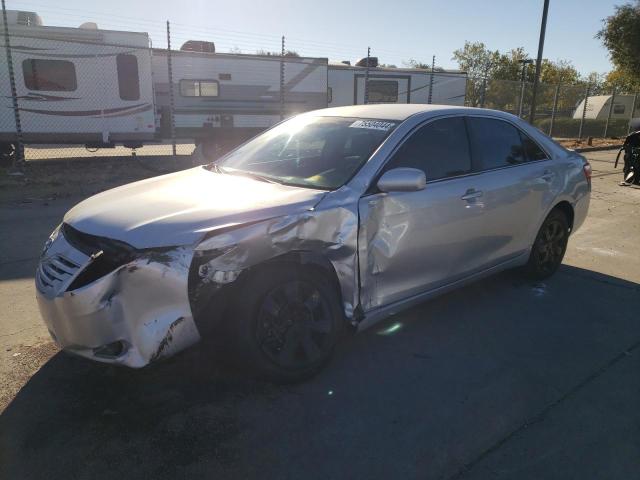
(540, 416)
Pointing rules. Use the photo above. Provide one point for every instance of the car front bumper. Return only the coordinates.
(132, 316)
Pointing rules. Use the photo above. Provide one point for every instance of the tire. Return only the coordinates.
(287, 324)
(549, 247)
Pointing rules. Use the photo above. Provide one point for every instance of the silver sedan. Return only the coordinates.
(333, 218)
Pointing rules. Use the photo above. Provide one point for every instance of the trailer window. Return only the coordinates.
(618, 109)
(199, 88)
(383, 91)
(128, 80)
(49, 75)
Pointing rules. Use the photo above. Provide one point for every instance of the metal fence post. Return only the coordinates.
(584, 111)
(366, 78)
(433, 67)
(606, 125)
(554, 109)
(633, 109)
(282, 80)
(172, 124)
(19, 152)
(483, 92)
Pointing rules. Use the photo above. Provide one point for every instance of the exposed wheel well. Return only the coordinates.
(566, 208)
(315, 262)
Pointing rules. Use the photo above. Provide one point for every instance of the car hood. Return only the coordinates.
(179, 208)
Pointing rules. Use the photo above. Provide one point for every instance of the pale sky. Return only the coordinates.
(340, 30)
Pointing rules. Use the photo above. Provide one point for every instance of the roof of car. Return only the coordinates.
(396, 111)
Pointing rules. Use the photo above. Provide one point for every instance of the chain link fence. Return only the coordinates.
(89, 93)
(562, 111)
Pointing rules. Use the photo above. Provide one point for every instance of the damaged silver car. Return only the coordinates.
(335, 217)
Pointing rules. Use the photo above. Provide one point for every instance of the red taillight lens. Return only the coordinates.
(587, 172)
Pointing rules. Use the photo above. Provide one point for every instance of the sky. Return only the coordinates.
(396, 31)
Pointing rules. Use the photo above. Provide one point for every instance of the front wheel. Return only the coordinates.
(287, 324)
(549, 247)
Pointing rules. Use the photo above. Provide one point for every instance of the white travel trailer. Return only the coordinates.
(598, 107)
(393, 85)
(234, 96)
(76, 85)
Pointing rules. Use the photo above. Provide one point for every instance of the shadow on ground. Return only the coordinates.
(432, 397)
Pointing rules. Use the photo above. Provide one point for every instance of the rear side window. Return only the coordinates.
(49, 75)
(495, 143)
(440, 149)
(128, 79)
(531, 149)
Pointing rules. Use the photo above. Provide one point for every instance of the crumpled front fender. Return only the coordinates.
(331, 233)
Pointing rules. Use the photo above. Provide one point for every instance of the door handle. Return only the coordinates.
(547, 175)
(471, 194)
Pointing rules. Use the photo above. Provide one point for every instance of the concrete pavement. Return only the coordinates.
(502, 379)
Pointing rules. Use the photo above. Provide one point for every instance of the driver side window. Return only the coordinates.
(440, 149)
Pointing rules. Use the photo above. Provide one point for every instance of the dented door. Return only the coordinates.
(411, 242)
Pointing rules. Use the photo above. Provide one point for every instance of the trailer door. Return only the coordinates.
(383, 89)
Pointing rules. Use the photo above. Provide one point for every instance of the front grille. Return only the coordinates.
(108, 255)
(55, 271)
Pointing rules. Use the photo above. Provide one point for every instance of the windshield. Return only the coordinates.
(314, 152)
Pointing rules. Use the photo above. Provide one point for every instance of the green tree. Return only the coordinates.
(622, 81)
(621, 36)
(287, 53)
(413, 63)
(476, 59)
(560, 72)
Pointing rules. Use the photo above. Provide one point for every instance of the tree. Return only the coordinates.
(476, 59)
(622, 81)
(413, 63)
(287, 53)
(560, 72)
(621, 36)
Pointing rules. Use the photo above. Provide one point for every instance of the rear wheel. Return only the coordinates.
(549, 247)
(288, 323)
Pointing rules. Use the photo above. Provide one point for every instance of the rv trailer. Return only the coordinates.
(76, 85)
(101, 88)
(223, 99)
(393, 85)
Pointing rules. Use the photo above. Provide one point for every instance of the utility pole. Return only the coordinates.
(366, 77)
(543, 30)
(433, 67)
(524, 62)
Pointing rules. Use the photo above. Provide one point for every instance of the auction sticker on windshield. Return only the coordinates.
(373, 125)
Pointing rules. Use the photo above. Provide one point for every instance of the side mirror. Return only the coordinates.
(402, 180)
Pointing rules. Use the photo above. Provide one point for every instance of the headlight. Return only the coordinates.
(50, 240)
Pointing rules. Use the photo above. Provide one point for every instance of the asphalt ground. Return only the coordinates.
(502, 379)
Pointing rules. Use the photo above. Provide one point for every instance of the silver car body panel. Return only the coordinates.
(179, 208)
(143, 304)
(388, 250)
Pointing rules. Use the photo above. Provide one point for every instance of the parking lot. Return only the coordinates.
(502, 379)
